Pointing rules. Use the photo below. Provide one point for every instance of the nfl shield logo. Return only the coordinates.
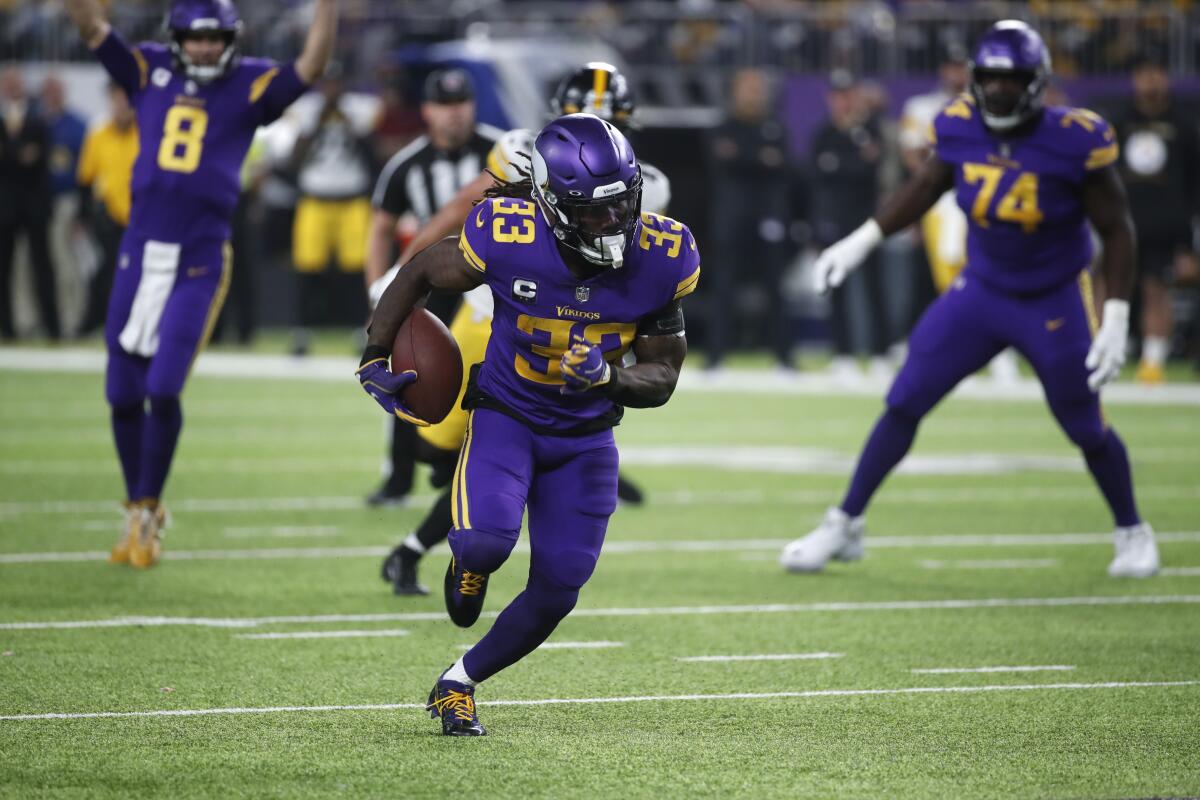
(582, 293)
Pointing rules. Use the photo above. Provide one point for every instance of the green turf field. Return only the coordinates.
(991, 561)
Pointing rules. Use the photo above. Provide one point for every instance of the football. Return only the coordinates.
(424, 344)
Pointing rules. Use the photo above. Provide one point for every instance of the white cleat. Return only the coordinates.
(838, 537)
(1136, 553)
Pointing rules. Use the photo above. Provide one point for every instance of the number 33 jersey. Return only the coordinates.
(540, 307)
(193, 136)
(1028, 232)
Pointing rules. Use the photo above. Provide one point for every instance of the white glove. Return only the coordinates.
(379, 286)
(843, 256)
(1107, 354)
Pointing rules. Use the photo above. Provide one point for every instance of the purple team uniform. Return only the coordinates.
(1026, 285)
(530, 445)
(174, 261)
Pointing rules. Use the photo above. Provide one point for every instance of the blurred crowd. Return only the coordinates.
(768, 197)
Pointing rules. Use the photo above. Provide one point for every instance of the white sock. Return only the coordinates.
(413, 543)
(458, 674)
(1154, 350)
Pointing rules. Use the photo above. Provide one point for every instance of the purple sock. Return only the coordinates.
(520, 629)
(1109, 465)
(127, 424)
(888, 443)
(161, 433)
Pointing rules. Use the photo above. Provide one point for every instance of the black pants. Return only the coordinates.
(870, 275)
(108, 235)
(35, 227)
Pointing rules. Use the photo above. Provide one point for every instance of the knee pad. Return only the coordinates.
(481, 551)
(1087, 432)
(551, 601)
(567, 569)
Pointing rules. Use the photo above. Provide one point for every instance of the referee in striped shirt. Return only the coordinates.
(420, 179)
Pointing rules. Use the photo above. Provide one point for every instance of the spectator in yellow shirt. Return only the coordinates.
(106, 165)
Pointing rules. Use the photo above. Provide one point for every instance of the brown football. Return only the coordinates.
(425, 345)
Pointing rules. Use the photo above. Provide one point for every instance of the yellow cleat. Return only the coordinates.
(1152, 374)
(120, 550)
(145, 546)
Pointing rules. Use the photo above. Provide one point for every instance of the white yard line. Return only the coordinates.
(957, 670)
(917, 496)
(763, 657)
(914, 690)
(566, 645)
(1180, 572)
(991, 563)
(283, 532)
(322, 634)
(770, 382)
(617, 547)
(655, 611)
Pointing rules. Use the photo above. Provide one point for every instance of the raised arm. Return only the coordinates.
(89, 19)
(318, 47)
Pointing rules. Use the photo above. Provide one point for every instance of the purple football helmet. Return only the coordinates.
(588, 184)
(204, 17)
(1010, 49)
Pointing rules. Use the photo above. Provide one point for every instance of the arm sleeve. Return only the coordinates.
(475, 236)
(126, 65)
(275, 89)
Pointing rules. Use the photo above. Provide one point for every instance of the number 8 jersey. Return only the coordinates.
(540, 307)
(193, 136)
(1028, 231)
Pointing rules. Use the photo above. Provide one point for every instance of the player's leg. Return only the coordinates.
(574, 493)
(1055, 335)
(491, 484)
(187, 321)
(951, 341)
(125, 390)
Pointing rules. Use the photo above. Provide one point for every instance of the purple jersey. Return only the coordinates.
(194, 136)
(540, 306)
(1028, 232)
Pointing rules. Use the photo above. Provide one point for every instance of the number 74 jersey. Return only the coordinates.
(1023, 196)
(540, 307)
(193, 137)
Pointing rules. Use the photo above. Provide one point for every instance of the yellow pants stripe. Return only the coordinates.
(1089, 302)
(460, 509)
(218, 301)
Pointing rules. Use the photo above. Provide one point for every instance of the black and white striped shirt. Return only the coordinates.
(421, 178)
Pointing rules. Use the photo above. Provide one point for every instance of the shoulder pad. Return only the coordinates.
(1088, 134)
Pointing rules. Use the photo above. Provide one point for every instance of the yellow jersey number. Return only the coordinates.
(508, 227)
(671, 239)
(183, 139)
(552, 337)
(1019, 204)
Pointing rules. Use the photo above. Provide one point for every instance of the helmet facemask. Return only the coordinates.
(1024, 106)
(599, 228)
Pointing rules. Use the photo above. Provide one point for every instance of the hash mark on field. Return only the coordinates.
(321, 634)
(763, 657)
(991, 563)
(565, 645)
(956, 670)
(198, 712)
(1180, 572)
(657, 611)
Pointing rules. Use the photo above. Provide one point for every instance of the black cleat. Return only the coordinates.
(464, 592)
(454, 702)
(400, 570)
(629, 492)
(387, 495)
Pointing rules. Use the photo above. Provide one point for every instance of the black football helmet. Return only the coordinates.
(596, 88)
